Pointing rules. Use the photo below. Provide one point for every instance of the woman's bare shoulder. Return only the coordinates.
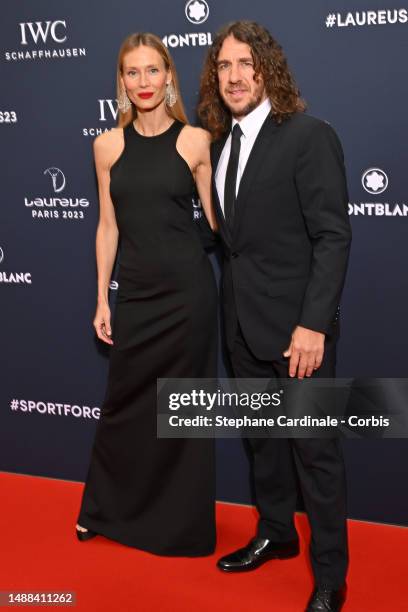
(108, 145)
(198, 134)
(108, 139)
(197, 139)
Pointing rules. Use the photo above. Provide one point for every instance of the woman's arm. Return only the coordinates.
(203, 174)
(105, 149)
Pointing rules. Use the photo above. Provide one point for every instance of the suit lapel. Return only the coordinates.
(259, 151)
(216, 150)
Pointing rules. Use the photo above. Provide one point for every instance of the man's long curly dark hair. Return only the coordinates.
(269, 61)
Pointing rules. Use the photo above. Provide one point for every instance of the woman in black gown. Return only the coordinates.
(152, 493)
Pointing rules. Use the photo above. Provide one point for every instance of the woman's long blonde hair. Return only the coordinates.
(149, 40)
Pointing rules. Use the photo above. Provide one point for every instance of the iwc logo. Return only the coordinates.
(197, 11)
(108, 113)
(43, 40)
(374, 181)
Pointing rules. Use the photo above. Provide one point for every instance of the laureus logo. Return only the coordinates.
(57, 177)
(56, 206)
(374, 181)
(1, 255)
(197, 11)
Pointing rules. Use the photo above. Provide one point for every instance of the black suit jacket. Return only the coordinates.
(286, 259)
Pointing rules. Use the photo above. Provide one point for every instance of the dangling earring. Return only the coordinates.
(171, 94)
(123, 101)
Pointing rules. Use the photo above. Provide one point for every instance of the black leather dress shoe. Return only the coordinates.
(257, 552)
(326, 599)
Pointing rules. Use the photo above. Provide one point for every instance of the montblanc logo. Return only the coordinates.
(43, 29)
(374, 180)
(14, 277)
(57, 177)
(197, 11)
(45, 207)
(38, 35)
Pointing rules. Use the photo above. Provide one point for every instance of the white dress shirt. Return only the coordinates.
(250, 126)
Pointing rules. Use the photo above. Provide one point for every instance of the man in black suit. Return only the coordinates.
(280, 195)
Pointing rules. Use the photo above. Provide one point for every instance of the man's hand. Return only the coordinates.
(305, 351)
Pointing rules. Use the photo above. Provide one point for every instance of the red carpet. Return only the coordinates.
(40, 552)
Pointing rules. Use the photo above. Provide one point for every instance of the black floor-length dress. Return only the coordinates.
(153, 493)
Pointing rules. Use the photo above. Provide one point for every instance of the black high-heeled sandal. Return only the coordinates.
(85, 535)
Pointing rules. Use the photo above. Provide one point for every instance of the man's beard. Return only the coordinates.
(249, 107)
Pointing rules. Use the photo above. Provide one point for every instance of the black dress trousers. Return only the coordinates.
(320, 469)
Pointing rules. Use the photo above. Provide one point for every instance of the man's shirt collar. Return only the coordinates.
(254, 119)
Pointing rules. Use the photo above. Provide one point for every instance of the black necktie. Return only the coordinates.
(231, 175)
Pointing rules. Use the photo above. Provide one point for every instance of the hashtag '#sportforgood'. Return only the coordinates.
(330, 20)
(14, 404)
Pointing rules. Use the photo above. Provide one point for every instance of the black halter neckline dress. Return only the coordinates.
(152, 493)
